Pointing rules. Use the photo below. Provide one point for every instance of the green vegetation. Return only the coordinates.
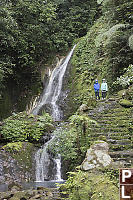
(23, 127)
(73, 140)
(104, 52)
(13, 147)
(32, 34)
(126, 79)
(95, 186)
(126, 103)
(22, 152)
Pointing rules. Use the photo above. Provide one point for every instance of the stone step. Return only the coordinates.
(117, 147)
(114, 142)
(111, 135)
(109, 125)
(108, 130)
(114, 113)
(112, 119)
(121, 145)
(125, 153)
(111, 113)
(115, 121)
(126, 161)
(122, 141)
(119, 136)
(113, 116)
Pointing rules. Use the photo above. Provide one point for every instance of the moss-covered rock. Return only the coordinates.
(126, 103)
(18, 162)
(130, 93)
(83, 108)
(122, 93)
(13, 147)
(22, 152)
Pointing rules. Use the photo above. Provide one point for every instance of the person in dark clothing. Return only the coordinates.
(96, 88)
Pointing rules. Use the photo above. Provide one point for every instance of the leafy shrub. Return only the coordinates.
(13, 147)
(94, 186)
(23, 127)
(127, 79)
(73, 140)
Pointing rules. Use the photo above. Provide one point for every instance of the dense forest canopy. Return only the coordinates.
(33, 30)
(31, 34)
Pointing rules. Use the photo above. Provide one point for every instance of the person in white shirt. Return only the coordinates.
(104, 89)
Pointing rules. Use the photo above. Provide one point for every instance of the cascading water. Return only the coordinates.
(52, 93)
(58, 164)
(42, 158)
(45, 165)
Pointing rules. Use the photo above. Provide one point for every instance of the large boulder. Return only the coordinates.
(17, 163)
(97, 156)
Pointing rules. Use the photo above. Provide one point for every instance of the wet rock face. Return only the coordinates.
(15, 168)
(66, 99)
(97, 156)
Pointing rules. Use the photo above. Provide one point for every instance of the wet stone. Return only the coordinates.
(97, 156)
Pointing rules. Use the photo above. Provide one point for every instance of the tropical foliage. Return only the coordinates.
(31, 34)
(126, 79)
(95, 186)
(23, 127)
(31, 31)
(72, 140)
(105, 51)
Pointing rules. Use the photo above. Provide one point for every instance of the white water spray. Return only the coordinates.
(52, 93)
(51, 96)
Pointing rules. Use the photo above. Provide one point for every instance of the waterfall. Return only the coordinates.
(48, 168)
(52, 93)
(42, 158)
(58, 167)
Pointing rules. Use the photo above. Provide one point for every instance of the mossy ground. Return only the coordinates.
(126, 103)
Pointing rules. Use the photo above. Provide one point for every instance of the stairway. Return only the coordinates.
(115, 124)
